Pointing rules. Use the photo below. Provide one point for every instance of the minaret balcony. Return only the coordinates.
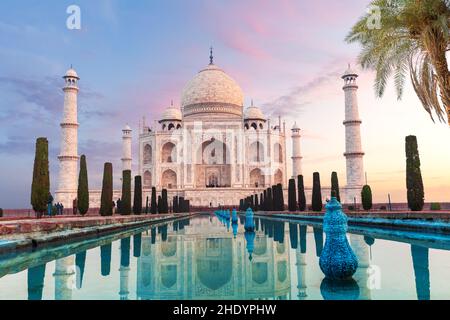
(74, 158)
(352, 122)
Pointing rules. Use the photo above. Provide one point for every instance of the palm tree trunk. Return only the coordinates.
(437, 48)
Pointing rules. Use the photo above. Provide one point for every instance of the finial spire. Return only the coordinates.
(171, 103)
(211, 56)
(252, 102)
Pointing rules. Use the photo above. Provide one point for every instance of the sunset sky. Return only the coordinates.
(134, 57)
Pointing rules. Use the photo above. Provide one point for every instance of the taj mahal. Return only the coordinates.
(211, 150)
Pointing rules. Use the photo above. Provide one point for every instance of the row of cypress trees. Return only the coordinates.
(272, 199)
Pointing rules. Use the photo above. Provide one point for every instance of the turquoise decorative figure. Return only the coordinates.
(234, 218)
(235, 229)
(249, 221)
(250, 238)
(337, 261)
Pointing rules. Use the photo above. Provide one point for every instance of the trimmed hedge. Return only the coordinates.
(292, 198)
(40, 186)
(137, 203)
(366, 197)
(335, 186)
(83, 187)
(317, 193)
(414, 182)
(301, 194)
(106, 208)
(126, 193)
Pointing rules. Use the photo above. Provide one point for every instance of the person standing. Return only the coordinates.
(49, 204)
(75, 207)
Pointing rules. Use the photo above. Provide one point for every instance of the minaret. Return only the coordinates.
(126, 148)
(124, 291)
(301, 273)
(68, 158)
(353, 149)
(296, 152)
(64, 278)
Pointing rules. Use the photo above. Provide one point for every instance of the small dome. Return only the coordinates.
(295, 127)
(254, 113)
(71, 73)
(127, 128)
(172, 114)
(349, 72)
(212, 85)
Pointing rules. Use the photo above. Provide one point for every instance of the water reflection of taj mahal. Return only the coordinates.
(212, 264)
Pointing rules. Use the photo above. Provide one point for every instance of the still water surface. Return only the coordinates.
(206, 258)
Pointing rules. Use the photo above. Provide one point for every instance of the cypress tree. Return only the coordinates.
(40, 187)
(107, 191)
(154, 205)
(137, 203)
(146, 205)
(241, 205)
(160, 205)
(265, 200)
(256, 202)
(317, 193)
(292, 198)
(83, 187)
(414, 183)
(335, 185)
(261, 202)
(275, 201)
(181, 205)
(126, 192)
(280, 196)
(301, 194)
(366, 197)
(175, 204)
(269, 199)
(165, 202)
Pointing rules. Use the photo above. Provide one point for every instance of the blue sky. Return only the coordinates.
(134, 57)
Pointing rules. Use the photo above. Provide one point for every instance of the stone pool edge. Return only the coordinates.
(398, 224)
(40, 240)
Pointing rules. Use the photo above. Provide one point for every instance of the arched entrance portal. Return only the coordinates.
(256, 178)
(169, 179)
(213, 167)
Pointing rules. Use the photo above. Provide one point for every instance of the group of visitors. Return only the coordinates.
(58, 208)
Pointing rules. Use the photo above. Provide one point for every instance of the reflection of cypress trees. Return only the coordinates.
(36, 277)
(421, 271)
(137, 239)
(125, 252)
(293, 234)
(270, 227)
(175, 226)
(279, 231)
(302, 230)
(80, 262)
(318, 238)
(256, 224)
(153, 232)
(241, 219)
(164, 233)
(105, 254)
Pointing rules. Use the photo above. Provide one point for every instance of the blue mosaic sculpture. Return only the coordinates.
(250, 238)
(235, 229)
(337, 261)
(234, 218)
(249, 220)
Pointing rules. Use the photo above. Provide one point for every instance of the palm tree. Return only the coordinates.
(412, 36)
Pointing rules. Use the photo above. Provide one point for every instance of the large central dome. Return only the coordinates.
(212, 91)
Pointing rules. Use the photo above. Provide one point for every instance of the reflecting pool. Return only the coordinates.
(210, 258)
